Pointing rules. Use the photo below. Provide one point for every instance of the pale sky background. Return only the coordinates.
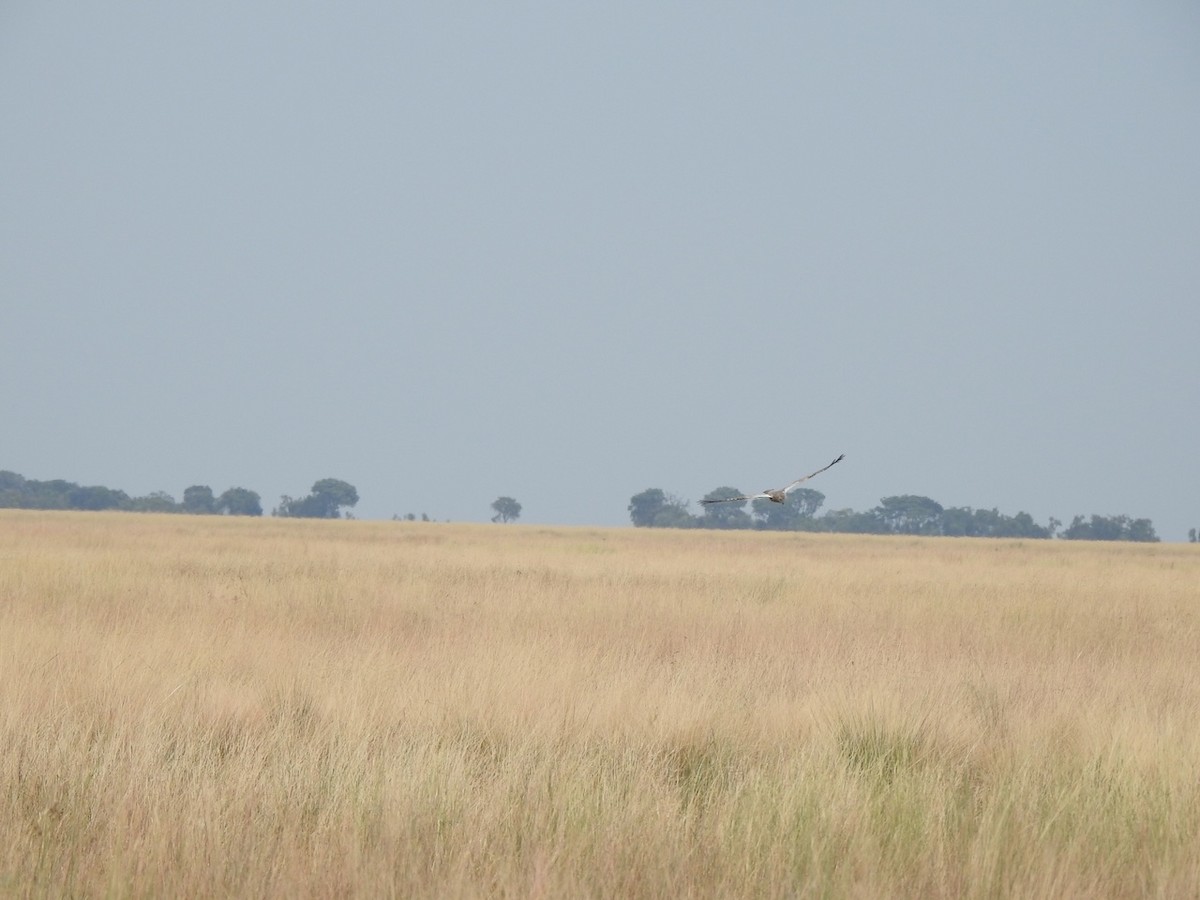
(566, 252)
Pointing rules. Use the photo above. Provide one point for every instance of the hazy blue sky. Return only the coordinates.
(565, 252)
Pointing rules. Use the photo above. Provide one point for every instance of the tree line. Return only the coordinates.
(330, 498)
(903, 514)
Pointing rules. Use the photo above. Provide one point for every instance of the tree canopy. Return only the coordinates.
(199, 499)
(900, 514)
(730, 514)
(18, 492)
(1110, 528)
(506, 508)
(239, 502)
(325, 501)
(654, 508)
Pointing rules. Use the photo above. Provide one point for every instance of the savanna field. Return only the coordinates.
(207, 706)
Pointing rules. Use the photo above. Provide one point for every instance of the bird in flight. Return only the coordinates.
(778, 495)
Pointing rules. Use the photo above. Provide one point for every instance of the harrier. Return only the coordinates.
(778, 495)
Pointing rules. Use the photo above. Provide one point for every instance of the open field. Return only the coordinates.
(199, 706)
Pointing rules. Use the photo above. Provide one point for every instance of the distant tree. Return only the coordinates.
(326, 500)
(507, 509)
(1026, 527)
(645, 506)
(673, 517)
(967, 522)
(910, 514)
(775, 516)
(960, 522)
(199, 499)
(308, 507)
(1078, 530)
(1106, 528)
(12, 490)
(850, 522)
(674, 514)
(158, 501)
(1192, 536)
(54, 494)
(239, 502)
(338, 493)
(806, 502)
(796, 514)
(96, 498)
(1110, 528)
(725, 515)
(654, 508)
(1141, 530)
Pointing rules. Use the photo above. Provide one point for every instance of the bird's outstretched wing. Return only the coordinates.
(728, 499)
(799, 481)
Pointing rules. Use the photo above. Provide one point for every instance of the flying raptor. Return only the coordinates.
(778, 495)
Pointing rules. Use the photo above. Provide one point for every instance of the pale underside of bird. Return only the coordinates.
(778, 495)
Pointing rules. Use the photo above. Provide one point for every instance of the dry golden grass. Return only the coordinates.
(208, 706)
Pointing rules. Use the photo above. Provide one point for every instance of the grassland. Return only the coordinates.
(197, 706)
